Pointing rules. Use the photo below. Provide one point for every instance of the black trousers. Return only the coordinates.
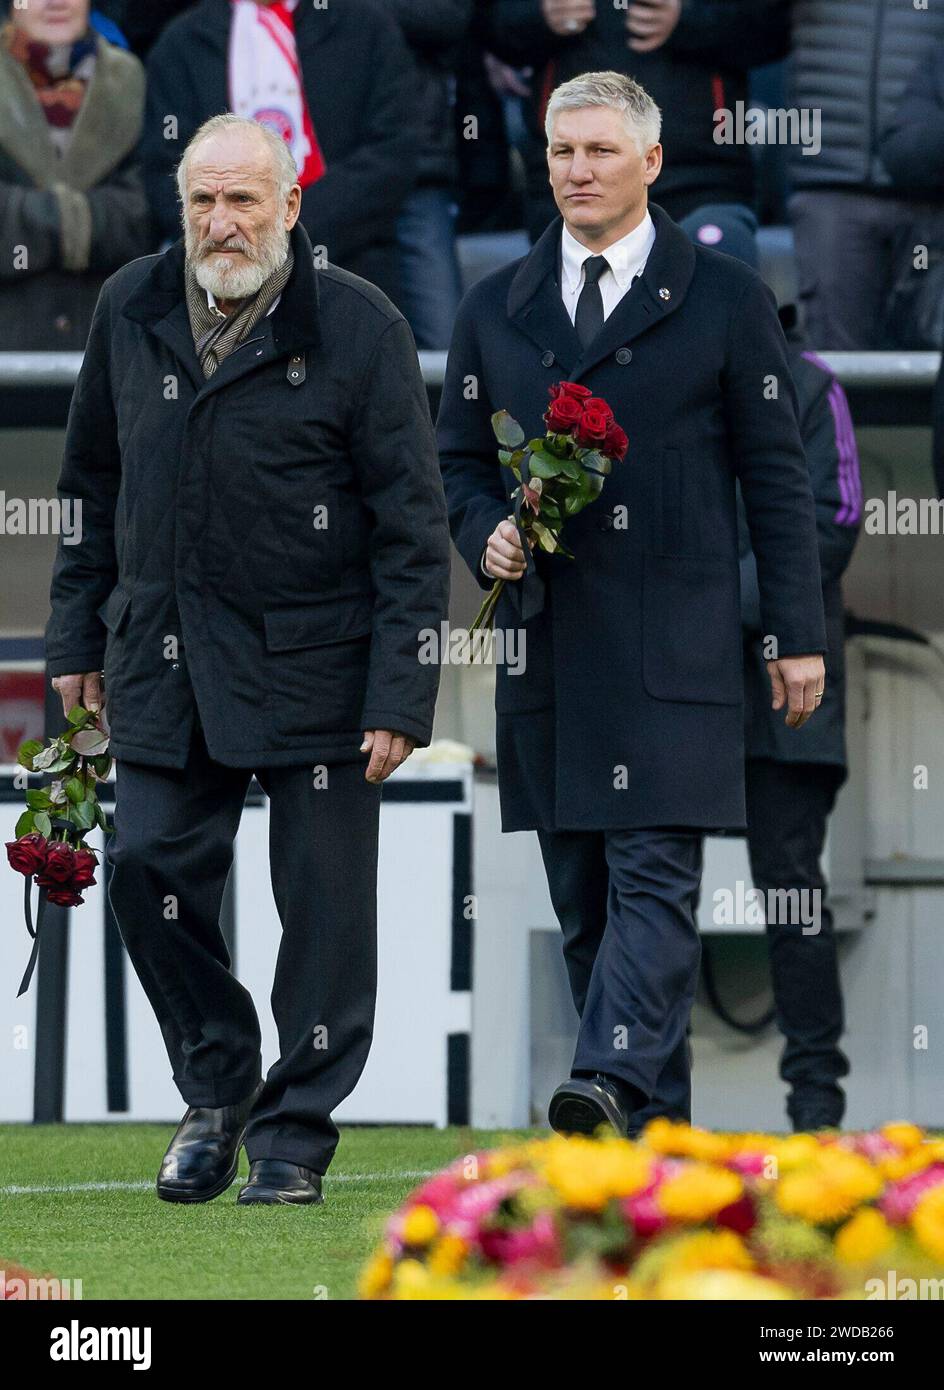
(170, 855)
(625, 900)
(788, 805)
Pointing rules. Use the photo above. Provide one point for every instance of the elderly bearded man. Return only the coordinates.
(623, 742)
(265, 535)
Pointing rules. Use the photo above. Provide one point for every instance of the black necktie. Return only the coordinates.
(589, 317)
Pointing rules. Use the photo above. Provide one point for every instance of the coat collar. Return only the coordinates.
(534, 301)
(106, 128)
(159, 303)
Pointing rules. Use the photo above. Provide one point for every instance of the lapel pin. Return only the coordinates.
(664, 293)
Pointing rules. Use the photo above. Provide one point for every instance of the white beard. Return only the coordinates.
(232, 280)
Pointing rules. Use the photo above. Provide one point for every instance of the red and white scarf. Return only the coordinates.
(265, 79)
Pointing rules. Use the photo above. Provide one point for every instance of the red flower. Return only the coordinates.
(563, 414)
(85, 866)
(597, 403)
(27, 855)
(569, 388)
(59, 866)
(738, 1216)
(615, 444)
(64, 897)
(591, 431)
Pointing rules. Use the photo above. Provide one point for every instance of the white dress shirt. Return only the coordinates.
(215, 309)
(625, 259)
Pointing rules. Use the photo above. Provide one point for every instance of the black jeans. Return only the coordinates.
(170, 856)
(788, 805)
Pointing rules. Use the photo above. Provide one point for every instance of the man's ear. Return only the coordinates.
(653, 164)
(293, 206)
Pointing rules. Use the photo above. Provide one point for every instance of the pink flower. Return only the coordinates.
(537, 1242)
(900, 1200)
(750, 1162)
(647, 1217)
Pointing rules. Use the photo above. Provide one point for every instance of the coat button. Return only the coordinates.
(623, 356)
(548, 359)
(175, 666)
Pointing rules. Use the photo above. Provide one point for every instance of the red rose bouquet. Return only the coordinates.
(50, 845)
(558, 475)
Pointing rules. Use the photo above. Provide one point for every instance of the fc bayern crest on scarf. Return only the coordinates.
(265, 80)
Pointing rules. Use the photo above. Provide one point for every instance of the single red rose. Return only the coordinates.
(591, 430)
(27, 855)
(64, 897)
(597, 403)
(615, 444)
(563, 414)
(59, 866)
(85, 866)
(569, 388)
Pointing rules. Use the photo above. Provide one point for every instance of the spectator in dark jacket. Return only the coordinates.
(912, 151)
(691, 57)
(792, 776)
(347, 109)
(431, 285)
(852, 226)
(141, 21)
(72, 205)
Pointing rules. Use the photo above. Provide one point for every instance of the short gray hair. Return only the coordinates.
(641, 116)
(284, 169)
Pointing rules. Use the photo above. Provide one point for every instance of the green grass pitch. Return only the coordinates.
(100, 1220)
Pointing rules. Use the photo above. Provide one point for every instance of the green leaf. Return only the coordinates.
(90, 742)
(596, 462)
(78, 715)
(507, 430)
(546, 538)
(62, 764)
(543, 466)
(27, 752)
(42, 823)
(102, 765)
(49, 755)
(75, 790)
(83, 815)
(24, 825)
(100, 815)
(37, 798)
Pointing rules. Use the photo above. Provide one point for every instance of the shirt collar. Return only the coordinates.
(625, 257)
(211, 300)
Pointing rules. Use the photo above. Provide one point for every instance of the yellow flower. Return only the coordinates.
(927, 1220)
(828, 1189)
(420, 1225)
(793, 1151)
(698, 1192)
(587, 1173)
(903, 1135)
(376, 1275)
(448, 1254)
(863, 1238)
(724, 1285)
(411, 1279)
(707, 1250)
(673, 1138)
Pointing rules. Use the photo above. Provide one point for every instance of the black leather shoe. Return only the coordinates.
(203, 1156)
(584, 1103)
(816, 1107)
(275, 1182)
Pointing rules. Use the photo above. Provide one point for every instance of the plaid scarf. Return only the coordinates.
(215, 335)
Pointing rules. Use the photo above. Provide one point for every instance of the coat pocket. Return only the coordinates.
(691, 630)
(334, 619)
(317, 663)
(114, 610)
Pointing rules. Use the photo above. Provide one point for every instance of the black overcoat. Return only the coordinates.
(263, 546)
(630, 710)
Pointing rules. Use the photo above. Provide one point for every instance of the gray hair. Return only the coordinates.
(641, 116)
(284, 169)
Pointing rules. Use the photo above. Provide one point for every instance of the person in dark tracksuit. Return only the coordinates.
(792, 776)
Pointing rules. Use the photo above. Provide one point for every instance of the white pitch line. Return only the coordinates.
(44, 1189)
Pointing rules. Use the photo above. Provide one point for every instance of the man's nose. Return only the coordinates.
(580, 170)
(221, 223)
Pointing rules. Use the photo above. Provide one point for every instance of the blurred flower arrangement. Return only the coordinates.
(681, 1214)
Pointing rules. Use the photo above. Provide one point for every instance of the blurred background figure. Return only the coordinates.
(431, 283)
(141, 21)
(337, 83)
(792, 776)
(72, 205)
(692, 58)
(855, 224)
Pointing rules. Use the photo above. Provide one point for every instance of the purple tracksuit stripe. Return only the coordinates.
(848, 477)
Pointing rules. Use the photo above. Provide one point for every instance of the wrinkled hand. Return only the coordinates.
(84, 689)
(651, 23)
(387, 751)
(568, 16)
(504, 558)
(797, 681)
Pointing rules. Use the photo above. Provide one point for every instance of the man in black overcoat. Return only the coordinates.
(622, 742)
(263, 537)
